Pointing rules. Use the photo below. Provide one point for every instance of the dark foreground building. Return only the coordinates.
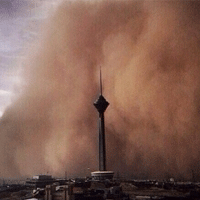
(40, 181)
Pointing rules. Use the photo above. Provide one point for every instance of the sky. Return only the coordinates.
(19, 24)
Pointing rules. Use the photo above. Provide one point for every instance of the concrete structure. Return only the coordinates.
(101, 105)
(40, 181)
(102, 175)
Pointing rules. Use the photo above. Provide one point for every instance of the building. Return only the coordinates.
(40, 181)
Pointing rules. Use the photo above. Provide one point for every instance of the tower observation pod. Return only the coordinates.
(101, 105)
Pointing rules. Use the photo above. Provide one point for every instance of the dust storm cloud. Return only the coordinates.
(149, 54)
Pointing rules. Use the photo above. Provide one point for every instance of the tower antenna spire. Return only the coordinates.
(100, 82)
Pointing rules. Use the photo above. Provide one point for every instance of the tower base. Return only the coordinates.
(102, 175)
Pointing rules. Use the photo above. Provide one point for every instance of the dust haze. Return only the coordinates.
(149, 55)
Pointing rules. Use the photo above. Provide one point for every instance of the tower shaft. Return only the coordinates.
(102, 145)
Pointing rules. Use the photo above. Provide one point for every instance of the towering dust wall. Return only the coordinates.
(149, 53)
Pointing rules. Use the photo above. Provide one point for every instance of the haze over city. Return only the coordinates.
(51, 53)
